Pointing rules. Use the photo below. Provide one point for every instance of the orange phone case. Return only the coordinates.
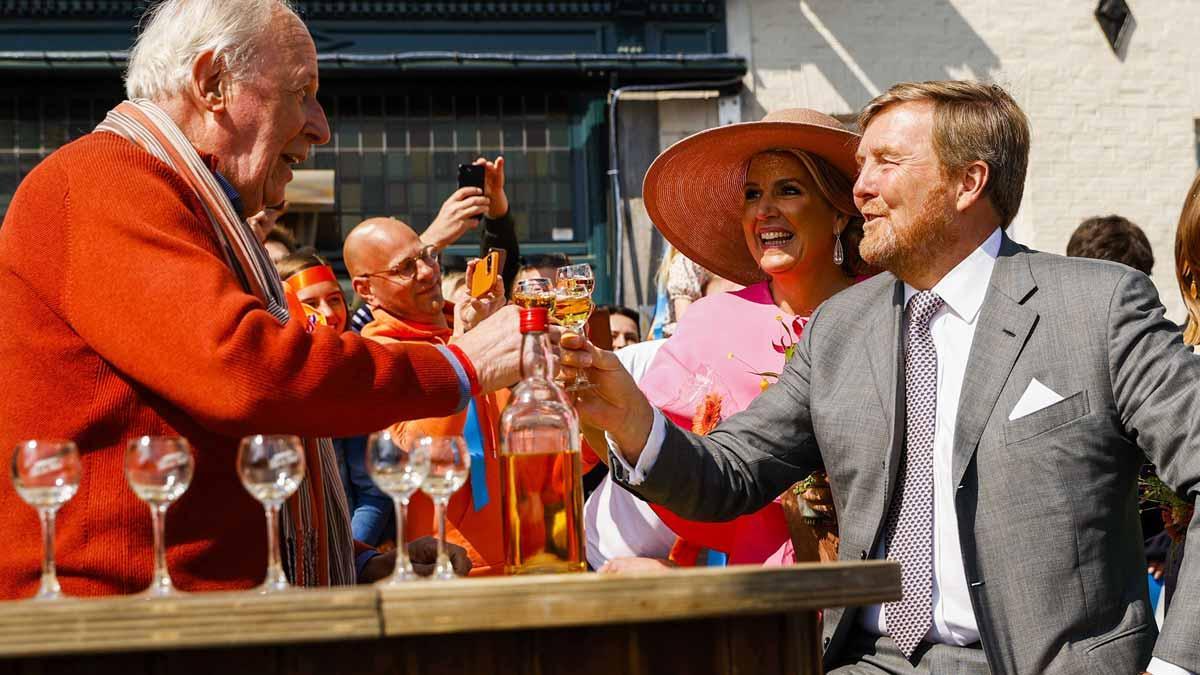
(484, 273)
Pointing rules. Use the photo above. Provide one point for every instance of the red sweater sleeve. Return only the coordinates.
(124, 253)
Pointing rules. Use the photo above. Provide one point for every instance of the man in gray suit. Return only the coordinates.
(981, 409)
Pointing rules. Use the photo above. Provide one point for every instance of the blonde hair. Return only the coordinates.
(1187, 260)
(177, 31)
(971, 122)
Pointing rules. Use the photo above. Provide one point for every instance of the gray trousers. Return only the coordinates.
(866, 654)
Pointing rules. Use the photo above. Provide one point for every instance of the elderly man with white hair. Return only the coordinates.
(139, 303)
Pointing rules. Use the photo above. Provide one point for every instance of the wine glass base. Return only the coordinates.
(400, 578)
(579, 386)
(274, 588)
(157, 591)
(48, 596)
(444, 572)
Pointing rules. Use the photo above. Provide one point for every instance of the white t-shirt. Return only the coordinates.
(618, 524)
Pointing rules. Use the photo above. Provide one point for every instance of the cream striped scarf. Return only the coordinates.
(317, 552)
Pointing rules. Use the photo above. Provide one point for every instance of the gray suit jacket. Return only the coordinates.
(1046, 504)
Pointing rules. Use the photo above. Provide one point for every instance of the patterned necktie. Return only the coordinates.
(910, 516)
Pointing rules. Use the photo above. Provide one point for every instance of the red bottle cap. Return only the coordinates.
(534, 319)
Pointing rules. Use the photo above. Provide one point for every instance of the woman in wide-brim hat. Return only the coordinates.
(769, 205)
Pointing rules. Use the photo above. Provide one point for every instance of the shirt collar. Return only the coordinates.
(230, 192)
(964, 287)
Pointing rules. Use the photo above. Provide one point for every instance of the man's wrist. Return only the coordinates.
(632, 437)
(499, 206)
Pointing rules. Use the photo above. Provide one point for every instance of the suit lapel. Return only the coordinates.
(1004, 326)
(883, 353)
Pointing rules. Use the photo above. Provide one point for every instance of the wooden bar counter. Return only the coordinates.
(750, 620)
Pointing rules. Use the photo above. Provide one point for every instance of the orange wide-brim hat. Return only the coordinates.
(693, 190)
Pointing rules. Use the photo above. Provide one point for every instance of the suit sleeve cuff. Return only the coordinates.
(1160, 667)
(636, 475)
(468, 379)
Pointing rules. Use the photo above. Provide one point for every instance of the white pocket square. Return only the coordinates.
(1036, 397)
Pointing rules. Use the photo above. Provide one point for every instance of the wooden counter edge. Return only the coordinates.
(590, 599)
(193, 621)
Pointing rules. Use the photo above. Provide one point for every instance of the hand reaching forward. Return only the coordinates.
(469, 312)
(494, 348)
(614, 403)
(459, 214)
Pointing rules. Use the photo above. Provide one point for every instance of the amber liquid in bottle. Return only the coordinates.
(540, 466)
(543, 513)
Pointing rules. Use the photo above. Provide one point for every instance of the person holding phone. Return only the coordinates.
(461, 212)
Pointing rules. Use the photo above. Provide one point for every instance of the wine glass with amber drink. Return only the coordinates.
(573, 305)
(535, 292)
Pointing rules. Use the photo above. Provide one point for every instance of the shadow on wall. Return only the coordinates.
(836, 55)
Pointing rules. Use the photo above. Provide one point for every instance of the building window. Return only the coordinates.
(399, 155)
(33, 126)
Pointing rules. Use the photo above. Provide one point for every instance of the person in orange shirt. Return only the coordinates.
(399, 277)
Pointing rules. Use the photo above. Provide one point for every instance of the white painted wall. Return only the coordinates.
(1111, 134)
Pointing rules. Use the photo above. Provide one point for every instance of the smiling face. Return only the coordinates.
(788, 224)
(273, 116)
(381, 245)
(906, 198)
(326, 297)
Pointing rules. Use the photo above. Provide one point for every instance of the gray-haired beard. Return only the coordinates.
(904, 252)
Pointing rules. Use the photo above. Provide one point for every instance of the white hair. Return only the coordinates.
(175, 32)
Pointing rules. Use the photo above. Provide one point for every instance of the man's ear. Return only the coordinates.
(362, 286)
(208, 85)
(972, 183)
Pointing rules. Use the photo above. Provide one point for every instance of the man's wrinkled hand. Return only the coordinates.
(494, 348)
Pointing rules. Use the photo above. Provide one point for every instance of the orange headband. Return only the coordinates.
(309, 277)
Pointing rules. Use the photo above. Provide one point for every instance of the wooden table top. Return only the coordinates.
(427, 607)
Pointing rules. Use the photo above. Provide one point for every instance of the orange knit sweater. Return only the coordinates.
(122, 319)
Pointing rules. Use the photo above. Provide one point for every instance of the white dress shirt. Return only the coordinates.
(963, 290)
(953, 329)
(618, 524)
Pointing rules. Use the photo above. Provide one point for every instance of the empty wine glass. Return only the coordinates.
(449, 466)
(159, 470)
(399, 472)
(46, 475)
(573, 305)
(271, 468)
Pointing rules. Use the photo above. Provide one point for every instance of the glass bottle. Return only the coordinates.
(540, 465)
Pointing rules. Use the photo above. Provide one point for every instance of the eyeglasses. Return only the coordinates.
(407, 268)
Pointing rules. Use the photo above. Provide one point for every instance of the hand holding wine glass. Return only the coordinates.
(449, 467)
(573, 305)
(271, 468)
(46, 475)
(399, 472)
(159, 470)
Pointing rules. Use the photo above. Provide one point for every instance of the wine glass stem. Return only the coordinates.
(49, 586)
(275, 575)
(443, 561)
(162, 579)
(403, 564)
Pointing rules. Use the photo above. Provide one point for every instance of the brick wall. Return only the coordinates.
(1111, 133)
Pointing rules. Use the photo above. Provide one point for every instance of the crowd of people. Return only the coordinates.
(850, 359)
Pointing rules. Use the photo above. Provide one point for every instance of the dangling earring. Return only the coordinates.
(839, 256)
